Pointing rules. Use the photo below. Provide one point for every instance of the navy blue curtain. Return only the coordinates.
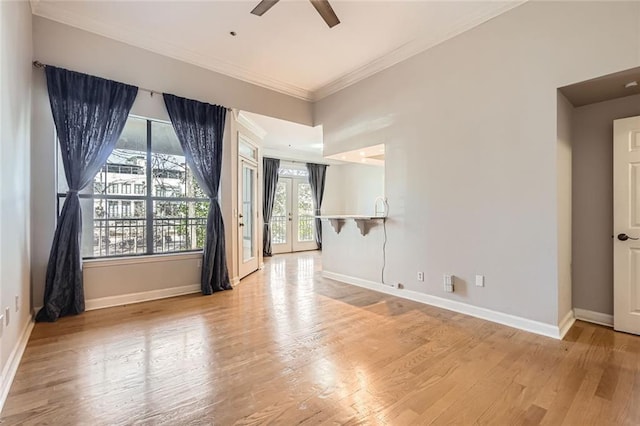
(200, 129)
(270, 172)
(317, 173)
(89, 114)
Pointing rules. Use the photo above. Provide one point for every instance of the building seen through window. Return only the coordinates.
(121, 216)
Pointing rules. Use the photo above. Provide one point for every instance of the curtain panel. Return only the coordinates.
(200, 130)
(89, 115)
(270, 168)
(317, 173)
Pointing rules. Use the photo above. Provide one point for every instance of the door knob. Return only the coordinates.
(241, 224)
(240, 216)
(625, 237)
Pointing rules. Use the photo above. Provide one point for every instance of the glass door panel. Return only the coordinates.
(248, 207)
(281, 218)
(247, 218)
(303, 217)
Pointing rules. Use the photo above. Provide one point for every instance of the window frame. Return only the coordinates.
(148, 200)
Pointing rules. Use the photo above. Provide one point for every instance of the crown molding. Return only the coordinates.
(251, 125)
(130, 36)
(408, 50)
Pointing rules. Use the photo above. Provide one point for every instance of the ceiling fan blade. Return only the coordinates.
(326, 11)
(263, 6)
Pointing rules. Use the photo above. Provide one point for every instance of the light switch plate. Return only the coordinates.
(479, 280)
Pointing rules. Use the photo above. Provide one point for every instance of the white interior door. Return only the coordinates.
(292, 220)
(247, 217)
(626, 225)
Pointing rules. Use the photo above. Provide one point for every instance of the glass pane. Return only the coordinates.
(112, 227)
(279, 215)
(179, 225)
(247, 213)
(126, 167)
(61, 178)
(170, 174)
(306, 219)
(247, 150)
(289, 171)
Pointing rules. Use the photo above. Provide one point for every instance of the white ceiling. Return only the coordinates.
(285, 139)
(282, 134)
(289, 49)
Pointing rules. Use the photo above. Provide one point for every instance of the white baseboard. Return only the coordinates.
(145, 296)
(13, 362)
(235, 281)
(566, 323)
(594, 317)
(525, 324)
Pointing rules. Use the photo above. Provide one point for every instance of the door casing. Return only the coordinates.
(245, 162)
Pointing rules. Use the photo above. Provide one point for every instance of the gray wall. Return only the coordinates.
(470, 128)
(15, 209)
(352, 188)
(62, 45)
(71, 48)
(593, 201)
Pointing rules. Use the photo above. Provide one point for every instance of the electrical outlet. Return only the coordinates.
(420, 276)
(479, 280)
(448, 283)
(17, 303)
(7, 316)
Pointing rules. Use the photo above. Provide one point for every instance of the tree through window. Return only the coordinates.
(145, 200)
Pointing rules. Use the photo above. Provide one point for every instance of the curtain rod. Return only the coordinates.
(38, 64)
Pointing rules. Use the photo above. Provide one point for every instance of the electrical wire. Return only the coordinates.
(384, 248)
(384, 243)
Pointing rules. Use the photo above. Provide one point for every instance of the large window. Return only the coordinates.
(145, 200)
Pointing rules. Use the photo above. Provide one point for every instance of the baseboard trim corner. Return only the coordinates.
(13, 362)
(593, 317)
(145, 296)
(566, 323)
(509, 320)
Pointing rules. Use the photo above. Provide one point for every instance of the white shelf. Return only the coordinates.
(363, 222)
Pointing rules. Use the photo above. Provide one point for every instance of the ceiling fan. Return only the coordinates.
(322, 6)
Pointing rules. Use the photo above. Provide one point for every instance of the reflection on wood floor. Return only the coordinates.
(290, 347)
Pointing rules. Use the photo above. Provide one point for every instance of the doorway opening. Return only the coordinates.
(293, 220)
(589, 214)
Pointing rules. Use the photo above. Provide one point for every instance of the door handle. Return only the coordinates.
(241, 224)
(625, 237)
(240, 216)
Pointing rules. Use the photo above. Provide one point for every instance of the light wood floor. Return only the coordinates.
(289, 347)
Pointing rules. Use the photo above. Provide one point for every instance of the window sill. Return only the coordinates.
(135, 260)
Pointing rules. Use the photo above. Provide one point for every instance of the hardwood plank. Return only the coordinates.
(287, 346)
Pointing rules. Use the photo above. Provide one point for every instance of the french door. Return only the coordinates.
(293, 220)
(247, 208)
